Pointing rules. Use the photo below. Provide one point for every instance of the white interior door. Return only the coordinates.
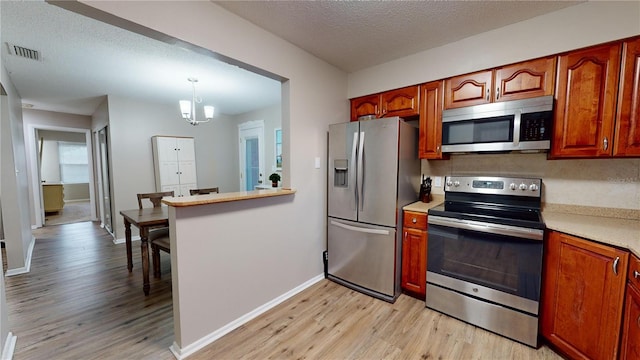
(251, 142)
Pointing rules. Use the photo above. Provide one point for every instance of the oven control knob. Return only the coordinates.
(533, 187)
(513, 186)
(449, 183)
(523, 187)
(456, 183)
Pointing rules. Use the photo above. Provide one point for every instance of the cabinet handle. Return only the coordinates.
(414, 220)
(636, 274)
(605, 143)
(615, 265)
(638, 321)
(487, 94)
(497, 93)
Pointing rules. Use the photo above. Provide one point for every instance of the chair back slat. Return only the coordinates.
(155, 198)
(203, 191)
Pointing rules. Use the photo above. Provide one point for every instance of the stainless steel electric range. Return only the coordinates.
(484, 254)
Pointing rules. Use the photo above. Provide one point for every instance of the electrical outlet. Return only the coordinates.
(437, 181)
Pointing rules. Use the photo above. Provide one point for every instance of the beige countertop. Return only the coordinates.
(225, 197)
(624, 233)
(419, 206)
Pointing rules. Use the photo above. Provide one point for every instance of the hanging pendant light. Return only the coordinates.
(188, 108)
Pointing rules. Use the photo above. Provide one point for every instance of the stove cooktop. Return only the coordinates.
(492, 213)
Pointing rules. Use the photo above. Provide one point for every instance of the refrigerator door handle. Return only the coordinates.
(359, 229)
(361, 170)
(354, 203)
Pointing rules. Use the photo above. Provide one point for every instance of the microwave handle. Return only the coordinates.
(497, 92)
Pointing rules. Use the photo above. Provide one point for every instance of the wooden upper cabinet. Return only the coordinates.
(627, 133)
(525, 80)
(511, 82)
(583, 291)
(365, 105)
(586, 102)
(402, 102)
(430, 142)
(467, 90)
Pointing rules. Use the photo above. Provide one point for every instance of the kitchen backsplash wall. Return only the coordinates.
(607, 183)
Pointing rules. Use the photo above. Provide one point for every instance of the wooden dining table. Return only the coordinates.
(144, 219)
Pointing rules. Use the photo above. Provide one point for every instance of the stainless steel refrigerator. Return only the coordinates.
(373, 172)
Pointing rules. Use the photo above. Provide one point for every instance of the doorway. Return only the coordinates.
(62, 182)
(251, 142)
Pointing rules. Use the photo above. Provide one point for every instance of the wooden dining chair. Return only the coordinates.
(203, 191)
(158, 237)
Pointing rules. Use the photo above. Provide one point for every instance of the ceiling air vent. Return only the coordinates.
(24, 52)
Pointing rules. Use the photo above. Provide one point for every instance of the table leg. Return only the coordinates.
(144, 249)
(127, 236)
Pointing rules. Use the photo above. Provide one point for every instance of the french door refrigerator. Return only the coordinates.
(373, 172)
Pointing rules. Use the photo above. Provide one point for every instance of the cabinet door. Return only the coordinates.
(467, 90)
(585, 102)
(365, 105)
(414, 261)
(525, 80)
(400, 102)
(627, 139)
(582, 296)
(630, 346)
(187, 172)
(167, 148)
(186, 149)
(169, 173)
(430, 142)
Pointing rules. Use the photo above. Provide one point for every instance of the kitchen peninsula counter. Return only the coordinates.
(620, 232)
(225, 197)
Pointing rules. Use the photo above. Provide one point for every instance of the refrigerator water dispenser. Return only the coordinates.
(340, 173)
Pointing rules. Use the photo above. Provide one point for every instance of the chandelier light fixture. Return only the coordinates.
(188, 108)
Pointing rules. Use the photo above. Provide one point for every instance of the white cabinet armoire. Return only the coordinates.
(174, 160)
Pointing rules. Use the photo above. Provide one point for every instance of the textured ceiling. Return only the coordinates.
(354, 35)
(84, 59)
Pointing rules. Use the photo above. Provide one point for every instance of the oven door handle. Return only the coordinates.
(514, 231)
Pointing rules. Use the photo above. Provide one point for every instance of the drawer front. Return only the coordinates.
(415, 220)
(634, 271)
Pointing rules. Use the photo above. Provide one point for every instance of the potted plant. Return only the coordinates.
(275, 177)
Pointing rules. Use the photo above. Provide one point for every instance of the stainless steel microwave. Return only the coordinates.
(516, 125)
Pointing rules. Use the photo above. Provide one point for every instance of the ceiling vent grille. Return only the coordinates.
(24, 52)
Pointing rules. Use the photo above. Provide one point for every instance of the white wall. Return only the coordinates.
(589, 23)
(133, 122)
(13, 180)
(290, 235)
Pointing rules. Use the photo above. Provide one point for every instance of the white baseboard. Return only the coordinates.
(9, 346)
(122, 240)
(181, 353)
(27, 266)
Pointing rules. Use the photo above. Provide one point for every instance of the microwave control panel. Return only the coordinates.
(536, 126)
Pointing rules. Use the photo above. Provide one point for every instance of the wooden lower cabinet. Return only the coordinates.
(630, 346)
(414, 254)
(582, 299)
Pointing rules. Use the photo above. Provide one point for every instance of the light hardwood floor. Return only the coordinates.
(79, 302)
